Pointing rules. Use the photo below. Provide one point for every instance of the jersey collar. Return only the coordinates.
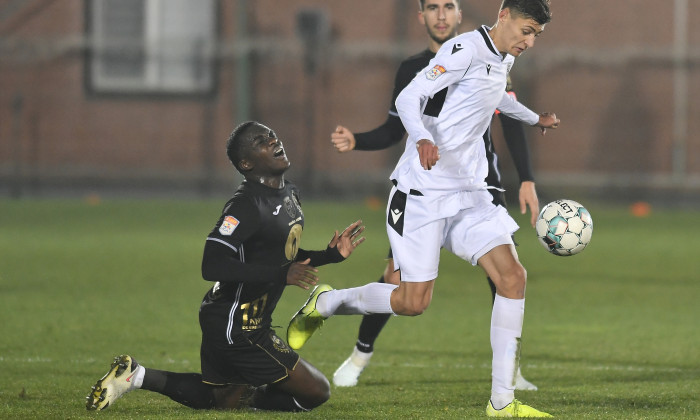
(484, 31)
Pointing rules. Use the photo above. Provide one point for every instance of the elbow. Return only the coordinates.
(205, 273)
(208, 271)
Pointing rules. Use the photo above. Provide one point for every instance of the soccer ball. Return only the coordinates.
(564, 227)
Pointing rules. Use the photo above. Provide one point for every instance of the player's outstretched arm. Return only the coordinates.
(343, 139)
(349, 239)
(380, 138)
(339, 248)
(548, 120)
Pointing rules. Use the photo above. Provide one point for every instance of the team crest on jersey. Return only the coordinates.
(229, 224)
(435, 72)
(289, 207)
(279, 345)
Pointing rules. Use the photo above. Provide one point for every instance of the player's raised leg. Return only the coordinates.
(325, 302)
(348, 373)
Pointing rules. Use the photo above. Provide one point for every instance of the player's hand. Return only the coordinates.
(302, 274)
(427, 153)
(349, 239)
(343, 139)
(548, 120)
(528, 198)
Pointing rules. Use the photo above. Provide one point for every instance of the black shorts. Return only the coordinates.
(255, 358)
(499, 197)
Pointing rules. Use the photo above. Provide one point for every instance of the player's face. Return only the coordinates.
(266, 152)
(441, 19)
(518, 33)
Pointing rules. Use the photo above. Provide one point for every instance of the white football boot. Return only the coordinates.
(349, 372)
(522, 384)
(117, 382)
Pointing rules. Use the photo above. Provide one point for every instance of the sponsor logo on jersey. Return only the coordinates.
(397, 208)
(229, 224)
(396, 215)
(488, 69)
(456, 47)
(435, 72)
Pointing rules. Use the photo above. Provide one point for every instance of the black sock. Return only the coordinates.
(370, 328)
(266, 398)
(493, 290)
(184, 388)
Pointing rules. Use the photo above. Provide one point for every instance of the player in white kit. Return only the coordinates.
(440, 197)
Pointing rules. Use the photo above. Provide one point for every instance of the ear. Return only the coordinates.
(421, 18)
(245, 165)
(503, 14)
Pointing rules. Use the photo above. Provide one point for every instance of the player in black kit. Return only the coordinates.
(441, 19)
(251, 255)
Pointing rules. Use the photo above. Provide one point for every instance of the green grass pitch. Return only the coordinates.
(612, 333)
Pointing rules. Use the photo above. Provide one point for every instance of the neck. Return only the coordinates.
(276, 182)
(434, 46)
(493, 33)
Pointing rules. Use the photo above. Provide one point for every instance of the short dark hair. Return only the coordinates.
(421, 4)
(538, 10)
(235, 146)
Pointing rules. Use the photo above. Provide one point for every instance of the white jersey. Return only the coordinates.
(451, 103)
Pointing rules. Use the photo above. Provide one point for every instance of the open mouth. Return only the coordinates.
(279, 152)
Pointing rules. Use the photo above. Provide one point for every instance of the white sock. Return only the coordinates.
(138, 376)
(360, 359)
(506, 329)
(373, 298)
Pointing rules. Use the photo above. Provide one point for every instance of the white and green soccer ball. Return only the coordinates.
(564, 227)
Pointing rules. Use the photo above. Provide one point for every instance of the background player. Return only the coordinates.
(251, 254)
(441, 19)
(440, 198)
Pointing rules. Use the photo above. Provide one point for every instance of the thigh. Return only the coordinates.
(256, 358)
(475, 231)
(415, 241)
(417, 253)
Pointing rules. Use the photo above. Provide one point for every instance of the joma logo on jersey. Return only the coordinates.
(435, 72)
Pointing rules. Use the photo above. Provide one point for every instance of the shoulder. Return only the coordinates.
(415, 63)
(242, 204)
(458, 51)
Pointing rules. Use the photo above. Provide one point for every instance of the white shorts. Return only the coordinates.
(466, 223)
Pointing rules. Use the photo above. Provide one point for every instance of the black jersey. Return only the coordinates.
(393, 131)
(255, 240)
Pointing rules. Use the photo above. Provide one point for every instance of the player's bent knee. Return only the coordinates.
(319, 395)
(411, 299)
(410, 307)
(391, 276)
(512, 284)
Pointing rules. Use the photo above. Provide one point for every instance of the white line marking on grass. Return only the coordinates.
(465, 366)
